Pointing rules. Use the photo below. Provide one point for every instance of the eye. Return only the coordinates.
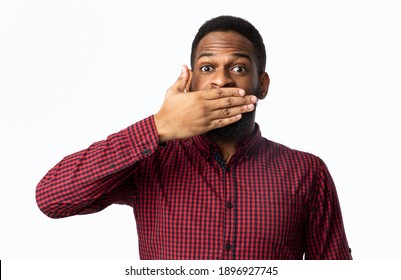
(239, 69)
(206, 68)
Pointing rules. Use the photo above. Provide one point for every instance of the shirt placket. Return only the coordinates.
(229, 214)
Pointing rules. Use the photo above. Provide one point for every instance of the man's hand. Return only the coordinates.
(185, 114)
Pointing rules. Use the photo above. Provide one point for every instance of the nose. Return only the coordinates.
(221, 78)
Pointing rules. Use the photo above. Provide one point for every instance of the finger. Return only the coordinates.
(217, 123)
(188, 86)
(213, 94)
(231, 112)
(228, 102)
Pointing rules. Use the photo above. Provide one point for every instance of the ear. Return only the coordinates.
(264, 82)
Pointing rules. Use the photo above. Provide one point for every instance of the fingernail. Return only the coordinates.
(251, 106)
(241, 92)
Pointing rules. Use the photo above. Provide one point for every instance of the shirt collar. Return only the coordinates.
(246, 148)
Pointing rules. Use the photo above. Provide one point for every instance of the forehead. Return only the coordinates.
(224, 43)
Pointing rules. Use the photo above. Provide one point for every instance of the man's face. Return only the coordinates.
(227, 59)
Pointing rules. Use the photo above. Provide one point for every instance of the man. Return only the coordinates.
(203, 182)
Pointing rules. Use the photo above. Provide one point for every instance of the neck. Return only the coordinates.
(227, 149)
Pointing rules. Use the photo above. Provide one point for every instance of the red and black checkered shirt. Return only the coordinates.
(268, 202)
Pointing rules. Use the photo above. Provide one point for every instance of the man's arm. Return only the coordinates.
(325, 234)
(92, 179)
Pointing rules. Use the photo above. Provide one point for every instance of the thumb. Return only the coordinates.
(182, 81)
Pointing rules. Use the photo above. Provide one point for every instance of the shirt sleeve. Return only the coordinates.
(92, 179)
(325, 233)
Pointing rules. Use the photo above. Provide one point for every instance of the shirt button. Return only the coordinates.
(112, 165)
(229, 205)
(228, 246)
(145, 152)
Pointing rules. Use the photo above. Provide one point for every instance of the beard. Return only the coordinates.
(234, 131)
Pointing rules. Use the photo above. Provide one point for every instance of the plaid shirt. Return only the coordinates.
(267, 202)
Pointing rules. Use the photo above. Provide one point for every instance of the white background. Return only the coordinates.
(73, 72)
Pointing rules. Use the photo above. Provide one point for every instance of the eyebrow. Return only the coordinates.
(237, 55)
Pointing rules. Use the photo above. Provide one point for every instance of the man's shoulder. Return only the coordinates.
(279, 151)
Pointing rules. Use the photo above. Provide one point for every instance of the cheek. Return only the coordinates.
(245, 83)
(198, 83)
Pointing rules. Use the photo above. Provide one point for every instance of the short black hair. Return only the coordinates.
(235, 24)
